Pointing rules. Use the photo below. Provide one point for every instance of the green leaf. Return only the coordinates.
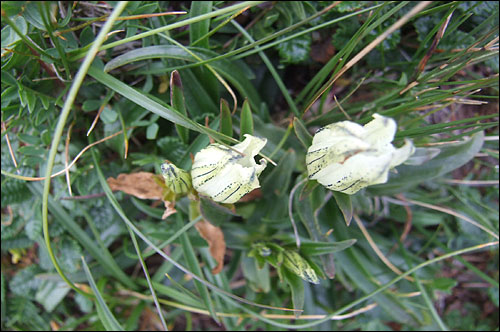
(321, 248)
(68, 254)
(451, 157)
(152, 131)
(108, 115)
(302, 133)
(194, 266)
(232, 71)
(226, 123)
(65, 220)
(307, 208)
(108, 319)
(213, 212)
(199, 29)
(9, 36)
(297, 288)
(345, 205)
(25, 283)
(178, 103)
(258, 278)
(51, 293)
(295, 50)
(443, 284)
(151, 105)
(246, 122)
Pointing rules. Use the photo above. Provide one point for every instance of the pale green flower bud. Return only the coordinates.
(176, 179)
(347, 157)
(298, 265)
(227, 174)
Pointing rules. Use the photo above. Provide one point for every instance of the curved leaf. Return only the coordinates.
(230, 70)
(451, 157)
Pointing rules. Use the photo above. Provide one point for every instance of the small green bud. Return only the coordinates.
(176, 179)
(298, 265)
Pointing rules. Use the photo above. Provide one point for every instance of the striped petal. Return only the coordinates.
(347, 157)
(227, 174)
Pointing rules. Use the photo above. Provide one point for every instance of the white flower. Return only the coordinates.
(227, 174)
(347, 157)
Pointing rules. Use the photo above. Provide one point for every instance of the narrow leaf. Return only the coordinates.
(226, 123)
(246, 123)
(178, 103)
(199, 29)
(151, 105)
(345, 205)
(302, 134)
(194, 266)
(297, 288)
(109, 321)
(451, 157)
(321, 248)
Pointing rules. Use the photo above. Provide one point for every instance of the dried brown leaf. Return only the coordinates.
(215, 238)
(144, 185)
(141, 185)
(169, 209)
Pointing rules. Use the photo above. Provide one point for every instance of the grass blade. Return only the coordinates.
(108, 319)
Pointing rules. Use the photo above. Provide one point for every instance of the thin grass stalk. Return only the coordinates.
(59, 130)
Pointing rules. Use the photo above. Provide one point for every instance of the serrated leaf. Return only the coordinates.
(25, 283)
(69, 252)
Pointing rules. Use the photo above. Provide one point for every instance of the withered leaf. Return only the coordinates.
(216, 243)
(144, 185)
(141, 185)
(169, 209)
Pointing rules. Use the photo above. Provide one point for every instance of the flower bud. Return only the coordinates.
(176, 179)
(227, 174)
(298, 265)
(347, 157)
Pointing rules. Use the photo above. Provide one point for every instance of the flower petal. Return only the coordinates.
(227, 174)
(380, 131)
(403, 153)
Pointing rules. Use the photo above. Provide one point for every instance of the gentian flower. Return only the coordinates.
(225, 174)
(347, 157)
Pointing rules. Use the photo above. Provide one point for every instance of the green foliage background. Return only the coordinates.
(278, 58)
